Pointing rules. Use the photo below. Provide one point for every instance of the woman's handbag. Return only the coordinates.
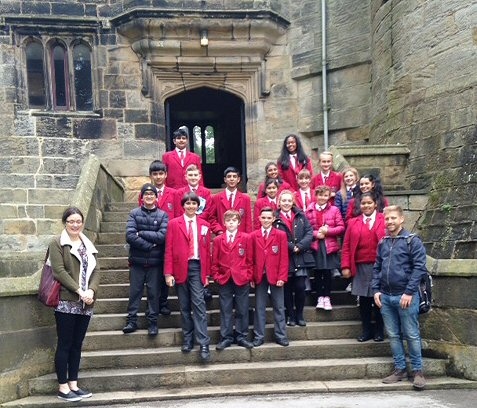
(49, 290)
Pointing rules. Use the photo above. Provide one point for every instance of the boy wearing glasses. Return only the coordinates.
(179, 159)
(145, 233)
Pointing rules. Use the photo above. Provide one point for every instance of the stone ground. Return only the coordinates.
(413, 399)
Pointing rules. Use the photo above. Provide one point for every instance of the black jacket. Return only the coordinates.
(146, 236)
(301, 236)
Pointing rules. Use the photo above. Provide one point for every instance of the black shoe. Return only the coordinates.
(245, 343)
(165, 311)
(204, 354)
(82, 393)
(257, 342)
(130, 328)
(223, 344)
(364, 337)
(187, 347)
(282, 342)
(378, 338)
(291, 322)
(71, 396)
(152, 331)
(301, 322)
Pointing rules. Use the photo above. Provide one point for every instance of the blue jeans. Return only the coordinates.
(403, 324)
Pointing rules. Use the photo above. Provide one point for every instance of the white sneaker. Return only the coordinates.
(320, 304)
(348, 288)
(327, 303)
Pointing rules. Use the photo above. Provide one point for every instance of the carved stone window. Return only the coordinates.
(59, 75)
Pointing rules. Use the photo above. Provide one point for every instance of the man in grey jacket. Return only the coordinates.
(400, 266)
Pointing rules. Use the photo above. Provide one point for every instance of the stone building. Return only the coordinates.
(113, 78)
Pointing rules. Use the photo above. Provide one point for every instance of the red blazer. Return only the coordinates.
(201, 192)
(334, 182)
(175, 170)
(352, 238)
(177, 247)
(283, 186)
(350, 209)
(232, 260)
(299, 202)
(289, 175)
(166, 203)
(259, 204)
(242, 204)
(270, 255)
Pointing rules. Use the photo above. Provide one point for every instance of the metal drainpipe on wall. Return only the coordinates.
(323, 73)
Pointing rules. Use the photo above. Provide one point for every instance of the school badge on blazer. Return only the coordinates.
(170, 207)
(241, 211)
(241, 251)
(275, 249)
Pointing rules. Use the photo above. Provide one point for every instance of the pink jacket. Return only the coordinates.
(331, 218)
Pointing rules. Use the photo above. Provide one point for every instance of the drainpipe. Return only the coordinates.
(323, 73)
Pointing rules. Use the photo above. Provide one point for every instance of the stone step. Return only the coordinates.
(113, 262)
(121, 290)
(111, 238)
(121, 207)
(115, 216)
(115, 339)
(116, 321)
(119, 226)
(112, 250)
(111, 276)
(211, 391)
(237, 373)
(305, 349)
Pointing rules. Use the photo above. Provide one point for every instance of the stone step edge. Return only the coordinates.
(267, 345)
(122, 397)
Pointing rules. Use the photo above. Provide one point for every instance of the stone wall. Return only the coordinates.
(423, 95)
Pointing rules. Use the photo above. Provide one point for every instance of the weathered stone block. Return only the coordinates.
(49, 196)
(146, 132)
(70, 9)
(136, 116)
(19, 227)
(94, 128)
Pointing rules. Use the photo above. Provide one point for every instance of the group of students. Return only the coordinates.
(301, 224)
(292, 232)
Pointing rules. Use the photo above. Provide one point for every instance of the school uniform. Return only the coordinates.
(259, 205)
(300, 234)
(332, 180)
(241, 203)
(176, 167)
(303, 198)
(289, 175)
(205, 207)
(232, 270)
(270, 265)
(283, 185)
(190, 273)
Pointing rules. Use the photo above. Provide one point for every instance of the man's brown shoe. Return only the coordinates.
(396, 376)
(419, 381)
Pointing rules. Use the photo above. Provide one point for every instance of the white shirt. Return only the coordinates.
(304, 194)
(231, 236)
(371, 217)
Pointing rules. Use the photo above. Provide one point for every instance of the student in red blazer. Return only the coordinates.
(292, 160)
(241, 202)
(270, 248)
(186, 264)
(304, 196)
(270, 200)
(327, 177)
(271, 172)
(357, 259)
(165, 202)
(206, 208)
(176, 166)
(232, 270)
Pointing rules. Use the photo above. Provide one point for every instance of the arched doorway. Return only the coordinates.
(215, 120)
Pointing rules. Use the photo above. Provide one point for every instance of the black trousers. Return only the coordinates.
(70, 329)
(295, 297)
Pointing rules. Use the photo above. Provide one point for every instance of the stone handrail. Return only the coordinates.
(97, 187)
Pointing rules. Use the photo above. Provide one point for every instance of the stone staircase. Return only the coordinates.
(322, 357)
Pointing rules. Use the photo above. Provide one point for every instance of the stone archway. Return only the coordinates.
(214, 119)
(173, 59)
